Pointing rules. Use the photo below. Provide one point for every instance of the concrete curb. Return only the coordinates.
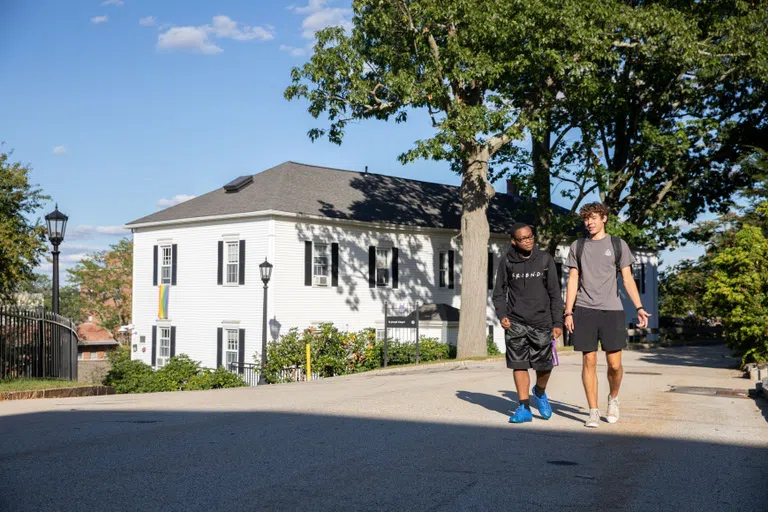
(444, 366)
(58, 392)
(672, 344)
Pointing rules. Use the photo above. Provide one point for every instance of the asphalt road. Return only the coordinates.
(432, 439)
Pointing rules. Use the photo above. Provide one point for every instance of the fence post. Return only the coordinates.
(417, 332)
(386, 332)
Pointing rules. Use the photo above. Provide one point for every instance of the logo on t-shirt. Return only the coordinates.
(607, 252)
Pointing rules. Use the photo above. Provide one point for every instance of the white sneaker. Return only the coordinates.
(594, 419)
(613, 410)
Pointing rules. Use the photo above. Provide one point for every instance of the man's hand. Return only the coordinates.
(505, 323)
(557, 332)
(642, 318)
(569, 323)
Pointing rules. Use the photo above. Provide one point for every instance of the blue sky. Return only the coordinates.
(125, 107)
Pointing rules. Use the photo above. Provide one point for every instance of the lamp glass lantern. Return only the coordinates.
(266, 271)
(57, 226)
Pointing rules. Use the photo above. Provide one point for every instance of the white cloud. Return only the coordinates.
(319, 16)
(294, 51)
(147, 21)
(99, 19)
(85, 231)
(198, 39)
(59, 150)
(178, 198)
(117, 3)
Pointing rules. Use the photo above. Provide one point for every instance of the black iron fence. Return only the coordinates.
(37, 343)
(670, 334)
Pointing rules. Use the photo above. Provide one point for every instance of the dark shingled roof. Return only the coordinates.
(332, 193)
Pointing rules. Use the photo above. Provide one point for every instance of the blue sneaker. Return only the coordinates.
(542, 403)
(522, 415)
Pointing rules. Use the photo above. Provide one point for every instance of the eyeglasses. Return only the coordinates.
(525, 238)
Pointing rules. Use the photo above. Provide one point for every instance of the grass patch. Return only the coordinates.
(25, 384)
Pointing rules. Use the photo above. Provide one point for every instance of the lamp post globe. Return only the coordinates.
(56, 222)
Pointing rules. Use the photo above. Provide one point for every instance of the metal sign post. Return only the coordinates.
(400, 322)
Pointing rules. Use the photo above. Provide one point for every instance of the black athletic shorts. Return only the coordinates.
(591, 325)
(528, 347)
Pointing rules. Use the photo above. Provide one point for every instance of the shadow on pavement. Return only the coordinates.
(89, 460)
(507, 402)
(713, 356)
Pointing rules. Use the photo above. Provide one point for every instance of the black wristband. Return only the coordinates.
(567, 314)
(641, 307)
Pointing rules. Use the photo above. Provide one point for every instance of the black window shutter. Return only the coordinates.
(450, 269)
(241, 263)
(173, 341)
(154, 345)
(395, 273)
(154, 267)
(220, 266)
(334, 264)
(219, 338)
(490, 271)
(642, 277)
(308, 263)
(174, 255)
(241, 351)
(371, 267)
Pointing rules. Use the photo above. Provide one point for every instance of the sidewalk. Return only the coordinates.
(432, 439)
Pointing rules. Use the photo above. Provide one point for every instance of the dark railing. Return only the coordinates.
(37, 343)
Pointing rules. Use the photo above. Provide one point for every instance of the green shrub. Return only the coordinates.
(493, 350)
(215, 379)
(180, 373)
(127, 376)
(334, 352)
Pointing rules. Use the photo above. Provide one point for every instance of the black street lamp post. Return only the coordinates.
(57, 225)
(266, 274)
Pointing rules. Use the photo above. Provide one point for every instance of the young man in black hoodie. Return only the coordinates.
(529, 305)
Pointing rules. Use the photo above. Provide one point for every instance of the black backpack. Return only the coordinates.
(615, 241)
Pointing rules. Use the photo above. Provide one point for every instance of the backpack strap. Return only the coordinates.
(579, 253)
(616, 241)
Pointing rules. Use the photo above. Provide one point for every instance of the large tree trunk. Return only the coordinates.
(476, 193)
(541, 155)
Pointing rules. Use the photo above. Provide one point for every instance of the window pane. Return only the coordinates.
(232, 271)
(382, 276)
(382, 258)
(320, 267)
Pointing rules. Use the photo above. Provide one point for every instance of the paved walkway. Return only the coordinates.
(432, 439)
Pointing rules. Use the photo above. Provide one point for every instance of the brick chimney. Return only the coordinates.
(512, 188)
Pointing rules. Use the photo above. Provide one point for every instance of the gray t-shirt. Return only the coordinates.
(598, 286)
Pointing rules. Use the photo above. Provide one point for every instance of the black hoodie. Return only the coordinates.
(527, 290)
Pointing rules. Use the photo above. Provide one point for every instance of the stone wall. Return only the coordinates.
(92, 371)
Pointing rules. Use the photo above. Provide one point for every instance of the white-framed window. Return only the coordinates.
(320, 264)
(163, 346)
(233, 346)
(638, 272)
(383, 266)
(232, 263)
(379, 334)
(443, 269)
(166, 262)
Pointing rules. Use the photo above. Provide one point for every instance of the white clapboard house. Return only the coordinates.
(342, 244)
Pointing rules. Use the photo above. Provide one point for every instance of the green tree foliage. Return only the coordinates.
(39, 291)
(681, 289)
(648, 104)
(22, 242)
(737, 291)
(104, 279)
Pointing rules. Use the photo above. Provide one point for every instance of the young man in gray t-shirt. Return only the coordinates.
(593, 309)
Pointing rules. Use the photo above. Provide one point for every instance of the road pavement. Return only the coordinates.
(432, 438)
